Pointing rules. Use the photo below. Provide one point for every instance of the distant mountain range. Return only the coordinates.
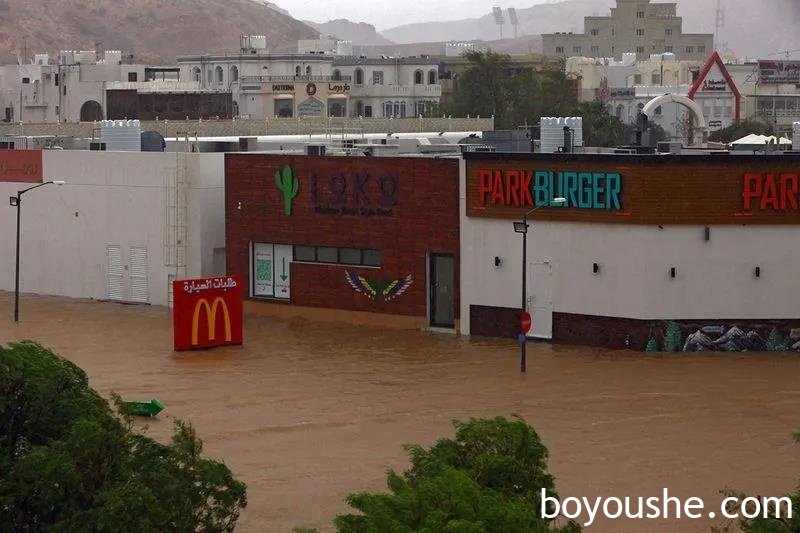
(154, 30)
(752, 29)
(360, 33)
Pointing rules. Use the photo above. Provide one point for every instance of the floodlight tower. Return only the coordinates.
(512, 18)
(498, 18)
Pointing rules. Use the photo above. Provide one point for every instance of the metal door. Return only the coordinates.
(115, 273)
(540, 299)
(137, 274)
(441, 285)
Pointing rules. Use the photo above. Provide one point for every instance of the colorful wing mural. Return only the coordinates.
(377, 291)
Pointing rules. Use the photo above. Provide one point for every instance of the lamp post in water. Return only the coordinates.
(16, 201)
(522, 227)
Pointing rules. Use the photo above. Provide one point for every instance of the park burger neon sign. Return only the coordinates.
(522, 188)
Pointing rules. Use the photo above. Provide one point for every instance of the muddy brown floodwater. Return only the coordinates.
(306, 412)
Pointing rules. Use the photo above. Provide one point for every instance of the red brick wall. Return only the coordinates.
(424, 220)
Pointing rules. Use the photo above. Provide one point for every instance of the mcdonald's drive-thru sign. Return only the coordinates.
(207, 312)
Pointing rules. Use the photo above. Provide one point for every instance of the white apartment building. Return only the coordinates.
(70, 89)
(317, 81)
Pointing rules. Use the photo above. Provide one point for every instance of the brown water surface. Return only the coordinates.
(306, 412)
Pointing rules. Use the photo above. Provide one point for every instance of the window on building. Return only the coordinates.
(620, 111)
(132, 76)
(220, 76)
(402, 110)
(576, 49)
(668, 49)
(431, 77)
(308, 70)
(26, 80)
(690, 49)
(637, 79)
(360, 108)
(284, 107)
(377, 77)
(640, 49)
(668, 31)
(640, 32)
(56, 80)
(640, 14)
(656, 77)
(359, 76)
(337, 74)
(417, 77)
(368, 111)
(594, 31)
(701, 49)
(234, 74)
(209, 77)
(196, 74)
(595, 50)
(235, 108)
(559, 49)
(337, 107)
(335, 255)
(298, 70)
(388, 109)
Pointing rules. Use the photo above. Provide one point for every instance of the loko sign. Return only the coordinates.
(522, 188)
(207, 312)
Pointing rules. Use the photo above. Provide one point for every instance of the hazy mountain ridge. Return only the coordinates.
(152, 30)
(751, 30)
(360, 33)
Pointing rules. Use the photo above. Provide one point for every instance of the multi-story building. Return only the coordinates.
(319, 81)
(770, 91)
(636, 26)
(70, 90)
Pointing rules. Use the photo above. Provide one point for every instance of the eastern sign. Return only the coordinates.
(311, 107)
(23, 166)
(263, 269)
(279, 88)
(207, 312)
(775, 72)
(770, 192)
(339, 88)
(534, 188)
(714, 85)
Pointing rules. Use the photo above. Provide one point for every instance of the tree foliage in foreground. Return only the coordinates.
(68, 464)
(487, 479)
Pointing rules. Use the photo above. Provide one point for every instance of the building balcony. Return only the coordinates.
(292, 79)
(396, 91)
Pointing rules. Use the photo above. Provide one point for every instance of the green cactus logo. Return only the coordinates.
(289, 185)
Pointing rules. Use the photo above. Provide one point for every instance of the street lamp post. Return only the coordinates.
(522, 227)
(16, 201)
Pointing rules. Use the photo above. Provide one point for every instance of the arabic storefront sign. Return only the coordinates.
(774, 72)
(23, 166)
(521, 188)
(339, 88)
(714, 85)
(207, 312)
(283, 88)
(311, 107)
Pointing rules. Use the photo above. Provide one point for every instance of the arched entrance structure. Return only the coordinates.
(91, 111)
(699, 125)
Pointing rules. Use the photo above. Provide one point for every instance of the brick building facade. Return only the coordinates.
(363, 234)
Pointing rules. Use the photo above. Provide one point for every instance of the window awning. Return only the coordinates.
(337, 96)
(283, 97)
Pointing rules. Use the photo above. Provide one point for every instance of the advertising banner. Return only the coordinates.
(772, 72)
(23, 166)
(207, 312)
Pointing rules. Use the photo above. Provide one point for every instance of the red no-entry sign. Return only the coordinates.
(525, 323)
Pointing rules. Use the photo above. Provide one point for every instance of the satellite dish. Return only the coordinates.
(152, 141)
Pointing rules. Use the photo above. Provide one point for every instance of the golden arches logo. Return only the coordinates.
(211, 317)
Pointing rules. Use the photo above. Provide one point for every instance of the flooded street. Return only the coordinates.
(306, 412)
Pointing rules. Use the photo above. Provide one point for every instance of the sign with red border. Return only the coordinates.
(21, 166)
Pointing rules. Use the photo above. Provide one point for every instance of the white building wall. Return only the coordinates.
(111, 198)
(714, 279)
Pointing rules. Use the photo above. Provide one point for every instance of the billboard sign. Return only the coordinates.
(207, 312)
(24, 166)
(774, 72)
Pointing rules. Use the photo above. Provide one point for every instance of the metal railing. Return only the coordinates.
(278, 79)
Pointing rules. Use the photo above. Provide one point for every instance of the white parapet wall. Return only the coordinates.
(106, 230)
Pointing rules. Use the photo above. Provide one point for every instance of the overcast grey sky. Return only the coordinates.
(385, 14)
